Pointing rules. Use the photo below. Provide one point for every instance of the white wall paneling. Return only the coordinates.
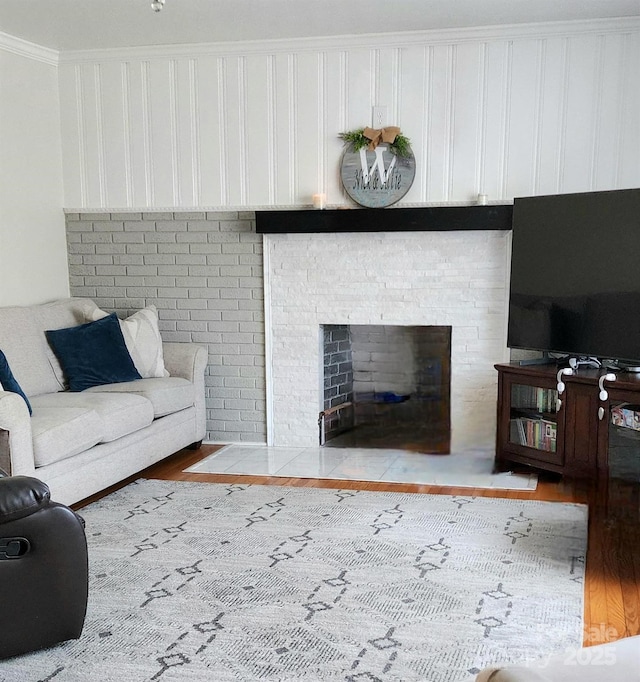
(258, 141)
(628, 147)
(309, 119)
(208, 126)
(92, 135)
(551, 76)
(506, 112)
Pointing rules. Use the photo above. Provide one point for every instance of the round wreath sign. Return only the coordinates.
(377, 167)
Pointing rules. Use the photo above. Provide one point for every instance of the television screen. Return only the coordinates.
(575, 274)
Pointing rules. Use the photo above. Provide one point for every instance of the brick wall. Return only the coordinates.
(406, 360)
(338, 377)
(450, 279)
(204, 273)
(383, 358)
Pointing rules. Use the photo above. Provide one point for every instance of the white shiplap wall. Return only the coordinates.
(504, 111)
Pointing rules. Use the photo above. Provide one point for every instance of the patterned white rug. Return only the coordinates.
(200, 581)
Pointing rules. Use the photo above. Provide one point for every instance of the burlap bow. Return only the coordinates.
(387, 135)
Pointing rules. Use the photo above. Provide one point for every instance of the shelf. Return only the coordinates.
(532, 413)
(422, 219)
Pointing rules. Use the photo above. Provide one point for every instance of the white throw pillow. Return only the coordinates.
(142, 338)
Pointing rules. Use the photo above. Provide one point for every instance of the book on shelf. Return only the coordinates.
(540, 434)
(533, 398)
(627, 416)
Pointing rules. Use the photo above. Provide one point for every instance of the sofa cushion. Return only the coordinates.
(61, 432)
(120, 413)
(92, 354)
(8, 381)
(26, 349)
(67, 312)
(141, 334)
(167, 394)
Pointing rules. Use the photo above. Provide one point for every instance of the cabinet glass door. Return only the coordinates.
(624, 442)
(533, 421)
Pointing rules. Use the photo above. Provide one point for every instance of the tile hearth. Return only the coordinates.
(471, 469)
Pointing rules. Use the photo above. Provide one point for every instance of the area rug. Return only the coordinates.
(202, 581)
(470, 468)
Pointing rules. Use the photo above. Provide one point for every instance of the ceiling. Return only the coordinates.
(88, 24)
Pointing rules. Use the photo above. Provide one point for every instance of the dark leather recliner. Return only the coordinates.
(43, 568)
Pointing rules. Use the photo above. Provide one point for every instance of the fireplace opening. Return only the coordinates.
(386, 386)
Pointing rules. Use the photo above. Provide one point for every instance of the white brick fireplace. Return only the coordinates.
(457, 279)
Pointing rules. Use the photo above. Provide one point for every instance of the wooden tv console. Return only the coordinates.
(575, 437)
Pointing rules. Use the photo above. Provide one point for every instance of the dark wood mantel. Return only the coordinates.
(428, 218)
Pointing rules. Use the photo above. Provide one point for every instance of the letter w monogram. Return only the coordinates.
(377, 163)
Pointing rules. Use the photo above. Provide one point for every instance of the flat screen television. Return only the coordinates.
(575, 275)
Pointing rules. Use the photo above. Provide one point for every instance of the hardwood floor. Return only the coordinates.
(612, 589)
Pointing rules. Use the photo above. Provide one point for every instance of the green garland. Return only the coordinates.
(401, 146)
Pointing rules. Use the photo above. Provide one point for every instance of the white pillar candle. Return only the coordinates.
(482, 199)
(318, 200)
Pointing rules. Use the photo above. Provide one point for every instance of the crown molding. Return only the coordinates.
(371, 40)
(24, 48)
(30, 50)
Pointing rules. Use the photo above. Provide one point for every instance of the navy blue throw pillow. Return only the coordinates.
(93, 354)
(9, 382)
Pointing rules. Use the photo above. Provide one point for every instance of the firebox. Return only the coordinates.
(386, 386)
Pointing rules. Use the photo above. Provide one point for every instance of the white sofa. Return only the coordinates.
(617, 661)
(80, 443)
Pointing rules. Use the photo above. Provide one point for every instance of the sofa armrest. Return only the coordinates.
(189, 361)
(186, 360)
(16, 444)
